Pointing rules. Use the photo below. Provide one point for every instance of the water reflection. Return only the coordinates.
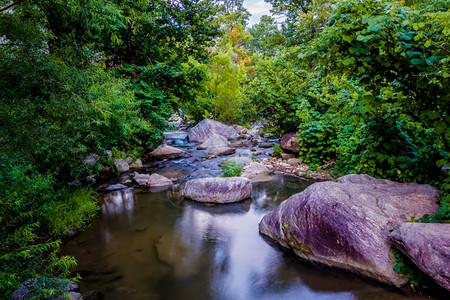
(118, 202)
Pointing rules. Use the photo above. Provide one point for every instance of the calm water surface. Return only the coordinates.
(159, 246)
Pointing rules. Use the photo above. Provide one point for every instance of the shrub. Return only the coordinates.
(72, 212)
(230, 169)
(277, 151)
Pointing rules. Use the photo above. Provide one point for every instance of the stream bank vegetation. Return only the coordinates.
(364, 82)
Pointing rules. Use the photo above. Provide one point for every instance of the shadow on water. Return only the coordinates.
(160, 246)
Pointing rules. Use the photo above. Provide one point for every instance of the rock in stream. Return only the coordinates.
(346, 224)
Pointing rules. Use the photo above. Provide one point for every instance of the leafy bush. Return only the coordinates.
(24, 194)
(72, 212)
(391, 146)
(230, 169)
(277, 150)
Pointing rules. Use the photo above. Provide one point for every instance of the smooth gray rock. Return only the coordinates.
(428, 246)
(156, 180)
(166, 152)
(141, 179)
(289, 142)
(215, 141)
(207, 128)
(214, 152)
(254, 169)
(218, 189)
(121, 165)
(115, 187)
(265, 145)
(346, 224)
(236, 144)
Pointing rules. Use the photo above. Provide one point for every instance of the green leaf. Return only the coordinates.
(348, 61)
(418, 61)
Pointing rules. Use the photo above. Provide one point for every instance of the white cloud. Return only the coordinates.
(257, 8)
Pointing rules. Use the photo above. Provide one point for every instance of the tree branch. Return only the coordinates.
(10, 5)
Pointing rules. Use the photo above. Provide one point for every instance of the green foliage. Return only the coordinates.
(230, 169)
(277, 151)
(72, 212)
(406, 268)
(24, 194)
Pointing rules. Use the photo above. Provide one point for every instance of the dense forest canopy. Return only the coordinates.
(364, 82)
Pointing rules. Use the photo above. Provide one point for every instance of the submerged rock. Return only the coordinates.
(215, 141)
(207, 128)
(346, 224)
(289, 142)
(428, 246)
(166, 152)
(218, 189)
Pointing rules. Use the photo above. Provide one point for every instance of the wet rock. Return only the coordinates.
(289, 142)
(141, 179)
(175, 135)
(207, 128)
(266, 145)
(156, 180)
(428, 246)
(218, 189)
(236, 144)
(115, 187)
(241, 161)
(121, 165)
(215, 141)
(129, 160)
(254, 169)
(346, 224)
(249, 143)
(30, 287)
(214, 152)
(238, 128)
(166, 152)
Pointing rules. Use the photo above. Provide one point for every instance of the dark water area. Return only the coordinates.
(157, 245)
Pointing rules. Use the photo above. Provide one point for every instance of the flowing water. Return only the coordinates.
(157, 245)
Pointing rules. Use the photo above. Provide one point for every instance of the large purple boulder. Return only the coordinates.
(207, 128)
(218, 189)
(346, 224)
(428, 246)
(289, 142)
